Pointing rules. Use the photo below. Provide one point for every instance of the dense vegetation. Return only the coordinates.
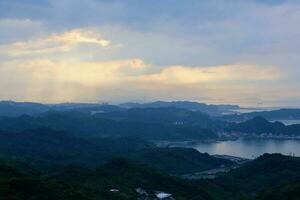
(11, 108)
(18, 182)
(63, 148)
(154, 121)
(187, 105)
(74, 182)
(269, 115)
(87, 126)
(267, 171)
(259, 125)
(82, 151)
(179, 160)
(290, 191)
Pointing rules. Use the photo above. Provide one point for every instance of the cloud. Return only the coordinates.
(54, 43)
(51, 81)
(218, 50)
(58, 81)
(85, 73)
(214, 74)
(18, 29)
(78, 36)
(235, 83)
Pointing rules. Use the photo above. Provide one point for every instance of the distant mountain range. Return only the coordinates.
(189, 105)
(11, 108)
(281, 114)
(154, 121)
(259, 126)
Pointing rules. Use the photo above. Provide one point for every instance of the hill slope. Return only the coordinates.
(266, 172)
(87, 126)
(62, 148)
(281, 114)
(259, 125)
(123, 176)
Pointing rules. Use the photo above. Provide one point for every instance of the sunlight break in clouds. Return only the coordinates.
(52, 81)
(213, 51)
(226, 73)
(37, 68)
(57, 81)
(78, 36)
(56, 42)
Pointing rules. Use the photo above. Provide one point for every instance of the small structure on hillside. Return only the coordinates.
(114, 190)
(163, 195)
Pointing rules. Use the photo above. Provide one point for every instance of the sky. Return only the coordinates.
(242, 52)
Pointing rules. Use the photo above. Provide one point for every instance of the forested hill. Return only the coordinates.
(260, 125)
(11, 108)
(119, 179)
(281, 114)
(272, 176)
(61, 148)
(266, 172)
(188, 105)
(87, 126)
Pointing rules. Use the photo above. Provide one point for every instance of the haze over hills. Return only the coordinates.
(189, 105)
(281, 114)
(149, 121)
(11, 108)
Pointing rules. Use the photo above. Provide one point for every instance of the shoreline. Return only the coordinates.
(166, 143)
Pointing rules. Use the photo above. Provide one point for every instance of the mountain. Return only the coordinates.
(260, 125)
(61, 148)
(126, 176)
(14, 109)
(118, 179)
(264, 173)
(87, 126)
(16, 185)
(124, 179)
(10, 108)
(179, 160)
(284, 192)
(281, 114)
(189, 105)
(165, 115)
(55, 146)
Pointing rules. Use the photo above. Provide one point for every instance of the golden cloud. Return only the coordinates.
(55, 43)
(85, 73)
(79, 36)
(213, 74)
(57, 68)
(54, 81)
